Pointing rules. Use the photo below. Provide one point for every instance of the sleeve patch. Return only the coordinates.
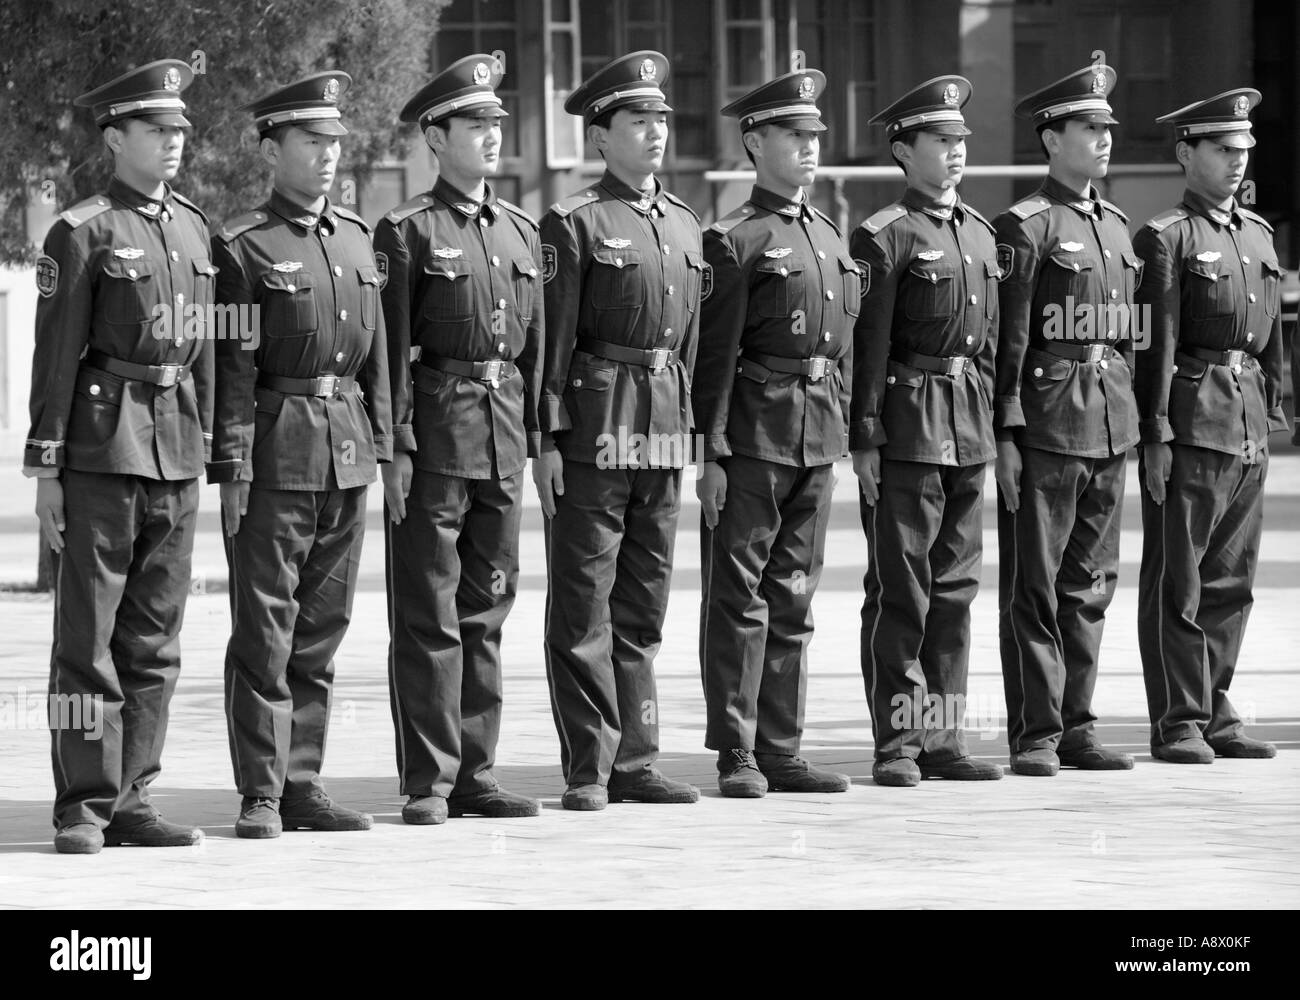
(706, 281)
(381, 263)
(47, 276)
(1006, 260)
(549, 263)
(864, 275)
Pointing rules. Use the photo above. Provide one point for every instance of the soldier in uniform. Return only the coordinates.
(921, 432)
(1064, 418)
(623, 269)
(462, 299)
(302, 417)
(121, 412)
(1209, 392)
(771, 402)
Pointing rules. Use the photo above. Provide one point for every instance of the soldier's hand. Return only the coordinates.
(234, 505)
(711, 488)
(1159, 461)
(397, 484)
(866, 466)
(49, 510)
(1007, 473)
(548, 477)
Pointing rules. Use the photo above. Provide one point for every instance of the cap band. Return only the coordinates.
(446, 108)
(928, 118)
(298, 115)
(788, 111)
(1213, 128)
(619, 95)
(1075, 108)
(153, 104)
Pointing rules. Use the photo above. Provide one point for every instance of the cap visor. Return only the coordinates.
(487, 111)
(634, 106)
(795, 124)
(329, 127)
(1096, 118)
(167, 118)
(945, 128)
(1233, 140)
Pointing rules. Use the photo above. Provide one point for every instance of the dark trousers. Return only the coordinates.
(925, 540)
(609, 562)
(453, 566)
(759, 570)
(1059, 563)
(293, 571)
(119, 599)
(1199, 553)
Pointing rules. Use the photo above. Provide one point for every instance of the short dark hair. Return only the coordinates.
(275, 133)
(1193, 141)
(908, 139)
(1053, 126)
(762, 130)
(604, 119)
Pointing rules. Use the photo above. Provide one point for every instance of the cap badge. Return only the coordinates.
(776, 253)
(128, 253)
(951, 94)
(150, 209)
(172, 79)
(287, 266)
(930, 254)
(806, 88)
(1241, 106)
(481, 74)
(447, 253)
(1071, 247)
(648, 69)
(616, 243)
(1099, 83)
(332, 90)
(1209, 256)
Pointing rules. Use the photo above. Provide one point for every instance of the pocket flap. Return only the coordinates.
(784, 267)
(99, 387)
(267, 400)
(627, 257)
(204, 266)
(1042, 365)
(695, 259)
(1070, 261)
(583, 376)
(848, 264)
(1190, 367)
(1133, 261)
(752, 370)
(526, 266)
(905, 376)
(369, 275)
(991, 269)
(1273, 268)
(933, 271)
(287, 282)
(1208, 269)
(131, 270)
(450, 269)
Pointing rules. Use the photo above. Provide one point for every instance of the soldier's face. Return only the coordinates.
(1084, 148)
(635, 140)
(937, 161)
(468, 147)
(145, 150)
(1213, 169)
(304, 162)
(788, 156)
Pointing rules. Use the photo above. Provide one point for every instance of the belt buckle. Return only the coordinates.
(168, 374)
(492, 372)
(1097, 352)
(1234, 359)
(957, 366)
(327, 385)
(817, 366)
(659, 359)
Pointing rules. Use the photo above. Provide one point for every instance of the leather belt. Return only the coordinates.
(159, 375)
(321, 385)
(1233, 359)
(814, 369)
(953, 367)
(656, 359)
(484, 371)
(1092, 352)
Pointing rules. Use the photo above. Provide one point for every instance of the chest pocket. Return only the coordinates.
(694, 279)
(1208, 287)
(852, 285)
(290, 304)
(1133, 267)
(617, 279)
(370, 282)
(779, 287)
(931, 293)
(1273, 275)
(1069, 274)
(525, 277)
(130, 290)
(991, 275)
(449, 292)
(205, 281)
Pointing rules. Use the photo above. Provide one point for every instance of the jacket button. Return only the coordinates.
(830, 294)
(974, 299)
(1110, 334)
(496, 261)
(132, 272)
(180, 298)
(577, 383)
(821, 254)
(175, 255)
(501, 347)
(1245, 259)
(338, 271)
(668, 331)
(891, 380)
(667, 249)
(339, 356)
(94, 390)
(1076, 267)
(343, 314)
(670, 289)
(784, 272)
(826, 335)
(1175, 369)
(1038, 373)
(1249, 337)
(618, 261)
(1251, 296)
(1114, 293)
(970, 340)
(290, 288)
(1103, 364)
(1106, 254)
(501, 303)
(967, 258)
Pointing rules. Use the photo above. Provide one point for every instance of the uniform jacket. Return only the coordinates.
(315, 288)
(463, 282)
(1069, 274)
(113, 268)
(785, 285)
(623, 268)
(1212, 281)
(931, 288)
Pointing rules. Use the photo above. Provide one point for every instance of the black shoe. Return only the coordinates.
(425, 810)
(152, 832)
(651, 786)
(79, 838)
(790, 773)
(585, 798)
(739, 776)
(896, 772)
(496, 803)
(259, 818)
(1095, 757)
(1189, 750)
(961, 769)
(1036, 762)
(1244, 746)
(321, 813)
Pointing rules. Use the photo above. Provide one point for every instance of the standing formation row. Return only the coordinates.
(295, 356)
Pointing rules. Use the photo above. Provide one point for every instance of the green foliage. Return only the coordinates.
(53, 50)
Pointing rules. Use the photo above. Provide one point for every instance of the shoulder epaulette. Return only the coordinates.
(566, 205)
(352, 216)
(408, 208)
(887, 215)
(84, 211)
(732, 219)
(681, 204)
(240, 224)
(1030, 207)
(975, 215)
(190, 205)
(826, 218)
(514, 209)
(1114, 208)
(1166, 219)
(1255, 217)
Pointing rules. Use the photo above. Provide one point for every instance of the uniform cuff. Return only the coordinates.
(225, 472)
(716, 446)
(868, 433)
(41, 471)
(404, 438)
(1155, 431)
(553, 415)
(1276, 419)
(546, 443)
(1007, 412)
(37, 456)
(534, 444)
(383, 448)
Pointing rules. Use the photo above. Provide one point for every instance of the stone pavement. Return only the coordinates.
(1222, 836)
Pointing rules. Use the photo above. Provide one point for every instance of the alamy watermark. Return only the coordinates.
(190, 321)
(64, 712)
(1097, 323)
